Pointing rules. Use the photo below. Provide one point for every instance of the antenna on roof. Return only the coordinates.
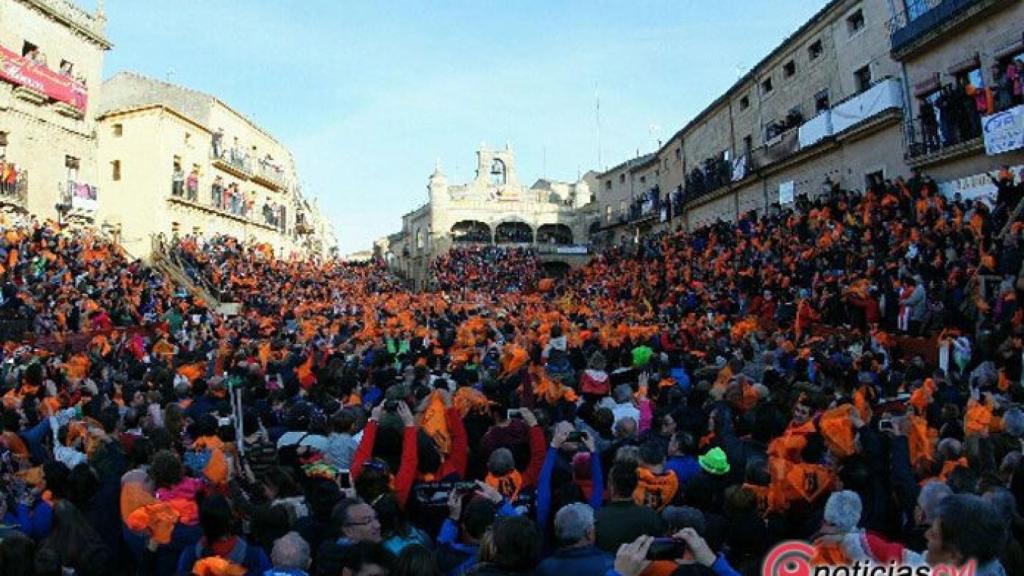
(597, 119)
(170, 74)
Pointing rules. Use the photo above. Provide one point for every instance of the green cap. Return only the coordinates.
(642, 355)
(714, 462)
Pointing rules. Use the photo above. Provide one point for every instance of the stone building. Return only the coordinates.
(950, 49)
(51, 62)
(176, 161)
(824, 105)
(494, 208)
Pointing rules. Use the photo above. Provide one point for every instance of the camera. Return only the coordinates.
(390, 405)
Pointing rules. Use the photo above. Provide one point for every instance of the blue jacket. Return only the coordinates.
(685, 467)
(573, 561)
(544, 485)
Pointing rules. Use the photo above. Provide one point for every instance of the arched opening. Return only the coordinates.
(498, 172)
(594, 228)
(554, 234)
(471, 231)
(513, 233)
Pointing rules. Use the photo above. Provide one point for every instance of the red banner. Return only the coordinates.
(24, 72)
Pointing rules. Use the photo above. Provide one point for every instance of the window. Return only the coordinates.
(115, 169)
(3, 145)
(118, 130)
(607, 184)
(821, 102)
(679, 152)
(748, 143)
(815, 50)
(789, 70)
(188, 138)
(862, 78)
(71, 163)
(727, 155)
(622, 178)
(608, 213)
(874, 178)
(855, 22)
(643, 179)
(622, 208)
(744, 102)
(766, 86)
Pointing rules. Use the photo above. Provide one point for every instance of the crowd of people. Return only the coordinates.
(677, 406)
(485, 268)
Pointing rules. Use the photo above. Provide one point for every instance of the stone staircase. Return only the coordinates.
(166, 262)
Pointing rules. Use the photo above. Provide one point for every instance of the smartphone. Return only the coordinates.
(513, 413)
(390, 405)
(886, 425)
(576, 436)
(666, 549)
(344, 479)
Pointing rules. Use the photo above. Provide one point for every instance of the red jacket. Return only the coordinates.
(406, 470)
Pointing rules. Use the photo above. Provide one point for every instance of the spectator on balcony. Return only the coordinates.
(218, 138)
(1002, 88)
(217, 192)
(192, 184)
(178, 180)
(929, 125)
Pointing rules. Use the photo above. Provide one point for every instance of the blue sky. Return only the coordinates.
(368, 95)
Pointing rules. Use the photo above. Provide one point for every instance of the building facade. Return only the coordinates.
(51, 62)
(174, 161)
(493, 208)
(825, 105)
(965, 116)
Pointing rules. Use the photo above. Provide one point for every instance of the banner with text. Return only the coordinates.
(23, 72)
(1004, 131)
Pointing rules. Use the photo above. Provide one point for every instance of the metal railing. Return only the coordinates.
(926, 137)
(235, 157)
(921, 16)
(270, 172)
(15, 191)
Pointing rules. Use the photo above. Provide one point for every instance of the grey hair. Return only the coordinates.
(290, 551)
(623, 393)
(573, 521)
(501, 462)
(932, 494)
(1013, 422)
(625, 427)
(843, 510)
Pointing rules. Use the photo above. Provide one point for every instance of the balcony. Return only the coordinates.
(14, 189)
(270, 175)
(922, 22)
(234, 162)
(815, 129)
(930, 141)
(883, 95)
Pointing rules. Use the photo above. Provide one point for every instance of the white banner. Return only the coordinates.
(1004, 131)
(83, 196)
(576, 249)
(974, 187)
(739, 168)
(786, 192)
